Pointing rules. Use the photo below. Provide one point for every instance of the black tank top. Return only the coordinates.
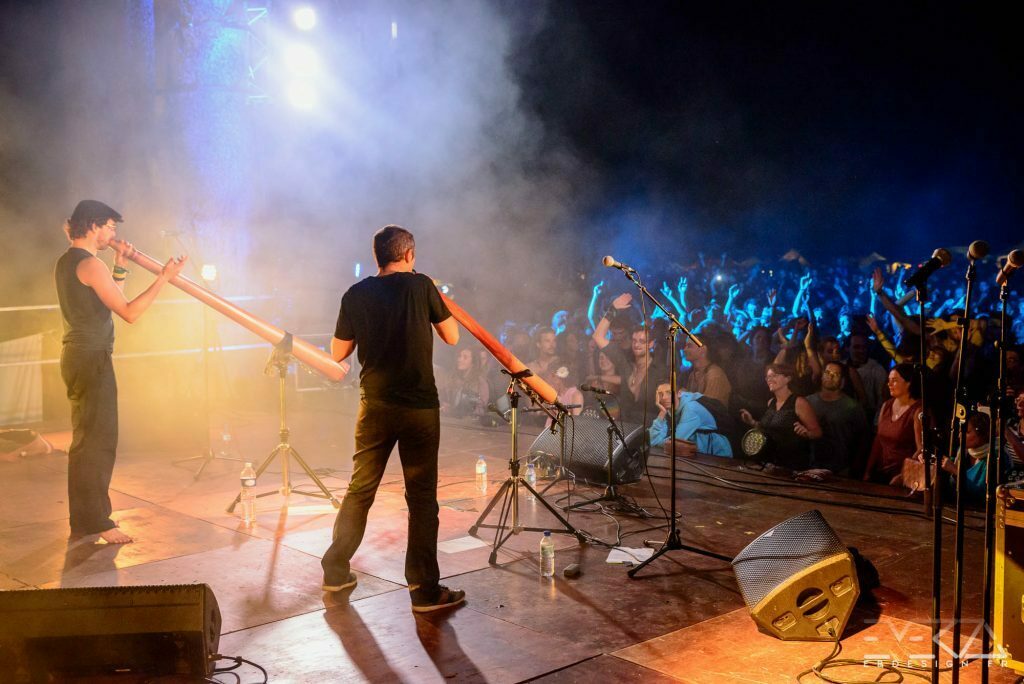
(87, 321)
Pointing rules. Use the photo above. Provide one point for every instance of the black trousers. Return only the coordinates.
(89, 377)
(417, 432)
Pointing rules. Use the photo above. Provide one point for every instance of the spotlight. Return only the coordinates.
(359, 269)
(209, 272)
(302, 95)
(394, 30)
(304, 18)
(718, 277)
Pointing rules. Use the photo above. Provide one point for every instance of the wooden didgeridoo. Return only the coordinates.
(501, 353)
(303, 351)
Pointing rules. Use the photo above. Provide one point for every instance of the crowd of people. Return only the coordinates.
(818, 360)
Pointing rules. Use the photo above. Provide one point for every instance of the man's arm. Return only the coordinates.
(342, 349)
(94, 273)
(448, 330)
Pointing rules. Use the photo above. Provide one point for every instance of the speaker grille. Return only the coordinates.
(586, 450)
(783, 551)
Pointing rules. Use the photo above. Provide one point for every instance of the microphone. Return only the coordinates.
(504, 415)
(940, 257)
(610, 262)
(977, 250)
(1014, 260)
(591, 388)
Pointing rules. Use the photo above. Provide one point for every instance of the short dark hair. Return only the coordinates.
(80, 227)
(390, 244)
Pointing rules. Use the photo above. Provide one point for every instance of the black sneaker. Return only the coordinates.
(335, 583)
(441, 597)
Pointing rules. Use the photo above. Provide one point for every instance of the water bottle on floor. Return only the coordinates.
(248, 498)
(531, 478)
(547, 555)
(481, 475)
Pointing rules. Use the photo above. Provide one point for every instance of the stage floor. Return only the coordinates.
(681, 619)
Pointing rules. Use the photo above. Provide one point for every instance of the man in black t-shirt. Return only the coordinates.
(387, 320)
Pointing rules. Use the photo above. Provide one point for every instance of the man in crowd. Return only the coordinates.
(872, 376)
(88, 293)
(845, 438)
(634, 366)
(697, 431)
(545, 347)
(388, 318)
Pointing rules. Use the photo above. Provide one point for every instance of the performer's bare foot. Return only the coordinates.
(115, 536)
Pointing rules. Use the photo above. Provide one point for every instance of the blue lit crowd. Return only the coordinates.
(809, 369)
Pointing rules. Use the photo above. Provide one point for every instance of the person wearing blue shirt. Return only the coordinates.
(696, 428)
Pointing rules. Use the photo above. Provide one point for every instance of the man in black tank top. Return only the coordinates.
(387, 320)
(88, 293)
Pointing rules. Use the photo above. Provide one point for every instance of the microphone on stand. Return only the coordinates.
(610, 262)
(977, 250)
(591, 388)
(940, 258)
(1014, 260)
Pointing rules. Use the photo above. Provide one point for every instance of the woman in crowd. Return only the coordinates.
(789, 422)
(899, 426)
(467, 391)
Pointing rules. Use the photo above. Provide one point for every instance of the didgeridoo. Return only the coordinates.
(501, 353)
(303, 351)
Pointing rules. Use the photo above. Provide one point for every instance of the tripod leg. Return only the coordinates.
(313, 476)
(568, 528)
(490, 506)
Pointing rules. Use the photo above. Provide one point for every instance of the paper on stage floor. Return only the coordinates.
(623, 555)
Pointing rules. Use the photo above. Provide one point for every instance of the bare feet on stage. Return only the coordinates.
(115, 536)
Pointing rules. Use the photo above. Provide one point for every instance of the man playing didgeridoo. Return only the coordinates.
(387, 318)
(87, 293)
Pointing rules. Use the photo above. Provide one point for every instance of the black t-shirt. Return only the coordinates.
(390, 318)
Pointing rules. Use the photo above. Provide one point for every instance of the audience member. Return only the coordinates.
(898, 436)
(789, 422)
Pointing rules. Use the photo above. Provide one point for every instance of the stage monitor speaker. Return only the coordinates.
(60, 634)
(586, 450)
(1008, 587)
(798, 580)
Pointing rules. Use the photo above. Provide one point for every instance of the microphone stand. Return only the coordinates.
(932, 488)
(672, 541)
(994, 470)
(957, 445)
(610, 492)
(508, 493)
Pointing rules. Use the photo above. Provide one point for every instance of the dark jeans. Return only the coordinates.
(417, 432)
(89, 376)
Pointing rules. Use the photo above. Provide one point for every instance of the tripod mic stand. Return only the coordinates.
(508, 493)
(610, 491)
(279, 360)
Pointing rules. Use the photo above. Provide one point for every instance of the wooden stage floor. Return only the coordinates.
(681, 619)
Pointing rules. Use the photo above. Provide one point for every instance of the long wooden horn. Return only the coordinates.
(501, 353)
(303, 351)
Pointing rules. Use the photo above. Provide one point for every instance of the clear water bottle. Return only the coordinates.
(547, 555)
(531, 478)
(248, 496)
(481, 475)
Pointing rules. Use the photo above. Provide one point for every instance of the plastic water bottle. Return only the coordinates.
(531, 479)
(248, 498)
(547, 555)
(481, 475)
